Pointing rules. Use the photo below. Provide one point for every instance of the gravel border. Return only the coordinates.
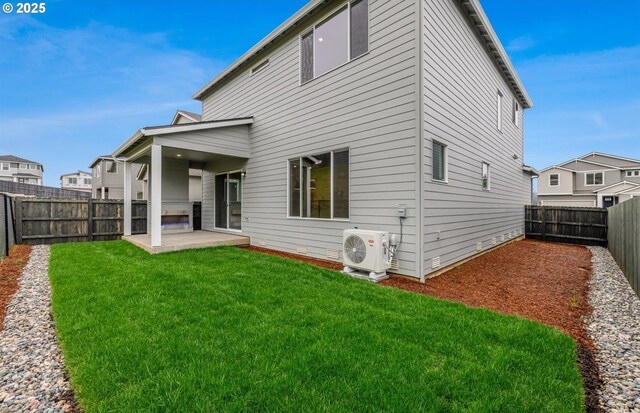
(615, 329)
(32, 373)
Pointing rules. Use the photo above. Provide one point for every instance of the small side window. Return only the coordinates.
(516, 113)
(554, 180)
(486, 176)
(439, 162)
(499, 111)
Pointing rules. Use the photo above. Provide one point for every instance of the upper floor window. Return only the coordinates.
(73, 181)
(486, 176)
(554, 180)
(98, 170)
(111, 167)
(32, 166)
(24, 166)
(633, 173)
(319, 186)
(335, 41)
(594, 178)
(5, 166)
(87, 181)
(499, 111)
(439, 162)
(516, 113)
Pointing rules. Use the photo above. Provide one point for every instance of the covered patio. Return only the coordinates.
(192, 240)
(170, 152)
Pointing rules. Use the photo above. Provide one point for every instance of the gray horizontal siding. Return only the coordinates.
(230, 141)
(460, 92)
(367, 105)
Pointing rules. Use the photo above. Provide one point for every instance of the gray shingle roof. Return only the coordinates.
(11, 158)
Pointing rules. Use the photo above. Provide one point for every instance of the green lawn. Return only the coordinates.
(226, 329)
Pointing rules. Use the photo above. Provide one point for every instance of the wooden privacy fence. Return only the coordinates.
(51, 221)
(586, 226)
(7, 236)
(624, 239)
(17, 188)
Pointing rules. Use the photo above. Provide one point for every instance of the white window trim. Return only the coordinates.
(558, 184)
(7, 165)
(488, 188)
(332, 151)
(634, 173)
(107, 169)
(594, 178)
(312, 29)
(446, 163)
(227, 229)
(516, 113)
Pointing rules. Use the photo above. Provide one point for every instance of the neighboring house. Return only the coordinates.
(15, 169)
(182, 116)
(347, 115)
(77, 181)
(107, 181)
(593, 180)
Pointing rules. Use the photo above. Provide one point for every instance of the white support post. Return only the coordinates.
(156, 195)
(127, 198)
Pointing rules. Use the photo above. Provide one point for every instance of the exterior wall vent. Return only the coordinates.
(479, 246)
(262, 242)
(394, 264)
(333, 255)
(301, 249)
(502, 236)
(435, 262)
(494, 241)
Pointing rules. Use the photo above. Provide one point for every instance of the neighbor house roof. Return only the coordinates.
(75, 173)
(12, 158)
(27, 175)
(99, 158)
(606, 155)
(194, 117)
(530, 170)
(473, 8)
(150, 131)
(633, 186)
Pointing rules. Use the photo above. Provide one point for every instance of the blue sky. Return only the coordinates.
(81, 78)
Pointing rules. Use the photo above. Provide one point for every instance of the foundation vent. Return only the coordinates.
(494, 241)
(301, 249)
(435, 262)
(262, 242)
(502, 237)
(333, 255)
(479, 246)
(394, 264)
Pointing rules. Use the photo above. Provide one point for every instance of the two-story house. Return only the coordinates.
(77, 181)
(593, 180)
(107, 179)
(24, 171)
(402, 116)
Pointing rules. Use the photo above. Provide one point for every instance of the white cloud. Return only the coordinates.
(521, 43)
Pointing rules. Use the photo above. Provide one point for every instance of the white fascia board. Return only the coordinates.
(556, 167)
(590, 162)
(606, 155)
(189, 127)
(614, 185)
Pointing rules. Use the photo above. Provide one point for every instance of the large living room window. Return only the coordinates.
(341, 38)
(594, 178)
(319, 186)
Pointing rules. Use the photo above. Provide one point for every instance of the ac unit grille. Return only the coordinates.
(355, 249)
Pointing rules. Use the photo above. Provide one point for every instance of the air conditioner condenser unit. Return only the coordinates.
(366, 254)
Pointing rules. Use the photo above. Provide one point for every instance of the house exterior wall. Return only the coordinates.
(115, 181)
(367, 105)
(16, 169)
(79, 185)
(461, 82)
(569, 201)
(565, 182)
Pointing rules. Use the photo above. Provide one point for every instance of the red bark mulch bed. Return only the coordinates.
(332, 265)
(10, 269)
(541, 281)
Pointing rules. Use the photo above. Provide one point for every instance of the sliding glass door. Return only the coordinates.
(228, 201)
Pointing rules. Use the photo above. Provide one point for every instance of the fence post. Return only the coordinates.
(543, 231)
(18, 216)
(90, 220)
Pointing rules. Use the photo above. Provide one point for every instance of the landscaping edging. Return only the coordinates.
(615, 329)
(32, 375)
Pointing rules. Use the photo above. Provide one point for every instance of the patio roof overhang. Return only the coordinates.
(226, 137)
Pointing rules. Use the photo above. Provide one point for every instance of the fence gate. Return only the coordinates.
(585, 226)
